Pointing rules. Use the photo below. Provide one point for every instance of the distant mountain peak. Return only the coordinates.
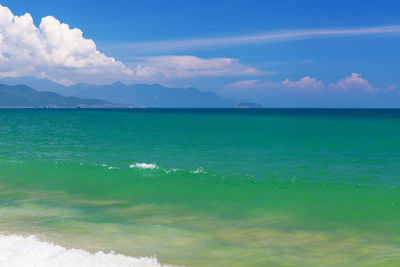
(118, 83)
(192, 89)
(154, 95)
(25, 96)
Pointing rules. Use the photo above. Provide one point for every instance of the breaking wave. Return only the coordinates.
(17, 251)
(198, 170)
(151, 166)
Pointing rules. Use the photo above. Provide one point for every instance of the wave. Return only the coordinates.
(16, 251)
(171, 171)
(151, 166)
(198, 170)
(109, 167)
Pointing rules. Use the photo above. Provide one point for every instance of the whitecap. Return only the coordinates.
(170, 171)
(17, 251)
(109, 167)
(199, 170)
(151, 166)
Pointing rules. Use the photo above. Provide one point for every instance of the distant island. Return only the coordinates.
(249, 105)
(22, 96)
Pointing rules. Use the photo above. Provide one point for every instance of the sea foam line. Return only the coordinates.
(17, 251)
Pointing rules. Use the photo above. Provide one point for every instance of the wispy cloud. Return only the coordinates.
(55, 51)
(353, 83)
(178, 67)
(304, 85)
(268, 37)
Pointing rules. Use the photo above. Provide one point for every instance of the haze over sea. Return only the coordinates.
(193, 187)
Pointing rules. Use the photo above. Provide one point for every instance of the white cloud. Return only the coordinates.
(177, 67)
(248, 85)
(55, 51)
(354, 83)
(304, 84)
(267, 37)
(51, 50)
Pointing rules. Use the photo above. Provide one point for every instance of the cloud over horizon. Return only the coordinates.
(352, 91)
(352, 83)
(62, 54)
(177, 67)
(261, 38)
(51, 50)
(55, 51)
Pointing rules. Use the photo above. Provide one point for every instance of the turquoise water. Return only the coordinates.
(206, 187)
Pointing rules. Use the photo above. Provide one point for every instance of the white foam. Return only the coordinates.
(144, 166)
(17, 251)
(109, 167)
(199, 170)
(170, 171)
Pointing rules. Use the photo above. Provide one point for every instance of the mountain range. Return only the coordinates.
(25, 96)
(145, 95)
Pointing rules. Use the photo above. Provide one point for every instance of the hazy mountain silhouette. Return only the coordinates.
(134, 94)
(24, 96)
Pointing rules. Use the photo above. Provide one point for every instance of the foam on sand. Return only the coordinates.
(16, 251)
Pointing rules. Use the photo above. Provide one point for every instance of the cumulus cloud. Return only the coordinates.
(354, 82)
(51, 50)
(176, 67)
(55, 51)
(304, 84)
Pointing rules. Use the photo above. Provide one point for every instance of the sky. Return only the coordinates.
(281, 53)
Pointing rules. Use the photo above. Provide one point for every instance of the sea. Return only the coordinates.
(199, 187)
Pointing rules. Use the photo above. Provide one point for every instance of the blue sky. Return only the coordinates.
(209, 45)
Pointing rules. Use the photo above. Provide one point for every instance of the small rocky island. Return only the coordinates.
(249, 105)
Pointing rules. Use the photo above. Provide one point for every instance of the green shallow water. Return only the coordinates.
(229, 187)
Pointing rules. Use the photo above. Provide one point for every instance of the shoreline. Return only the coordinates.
(30, 250)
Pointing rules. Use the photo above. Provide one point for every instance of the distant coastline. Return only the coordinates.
(111, 106)
(25, 97)
(249, 105)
